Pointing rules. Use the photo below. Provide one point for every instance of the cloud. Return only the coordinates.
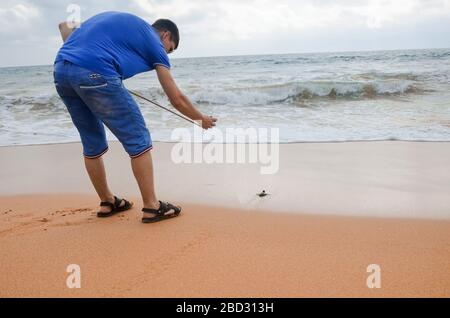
(17, 17)
(29, 35)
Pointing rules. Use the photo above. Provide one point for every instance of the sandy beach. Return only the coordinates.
(333, 209)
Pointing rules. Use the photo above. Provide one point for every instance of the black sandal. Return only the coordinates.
(164, 207)
(115, 207)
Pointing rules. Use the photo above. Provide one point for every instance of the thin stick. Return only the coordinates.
(156, 104)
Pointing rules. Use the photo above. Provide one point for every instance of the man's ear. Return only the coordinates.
(167, 34)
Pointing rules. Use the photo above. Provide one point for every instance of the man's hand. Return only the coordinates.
(179, 100)
(65, 30)
(208, 122)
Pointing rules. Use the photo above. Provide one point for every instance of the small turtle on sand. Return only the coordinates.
(262, 194)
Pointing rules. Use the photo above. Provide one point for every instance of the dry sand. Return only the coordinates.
(226, 243)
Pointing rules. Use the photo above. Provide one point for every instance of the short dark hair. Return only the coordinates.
(166, 25)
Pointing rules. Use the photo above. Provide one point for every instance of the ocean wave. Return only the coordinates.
(43, 102)
(347, 58)
(303, 91)
(388, 76)
(290, 92)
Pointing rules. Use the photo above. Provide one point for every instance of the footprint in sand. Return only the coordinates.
(73, 211)
(28, 221)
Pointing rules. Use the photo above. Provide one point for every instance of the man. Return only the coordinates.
(88, 72)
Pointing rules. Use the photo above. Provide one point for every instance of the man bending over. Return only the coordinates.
(88, 73)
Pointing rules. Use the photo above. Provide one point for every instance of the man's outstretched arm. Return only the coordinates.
(179, 100)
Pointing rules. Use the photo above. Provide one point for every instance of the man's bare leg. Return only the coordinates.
(143, 172)
(97, 174)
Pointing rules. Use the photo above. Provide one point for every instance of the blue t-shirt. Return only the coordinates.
(115, 43)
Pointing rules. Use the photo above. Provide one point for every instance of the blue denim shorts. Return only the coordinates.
(93, 100)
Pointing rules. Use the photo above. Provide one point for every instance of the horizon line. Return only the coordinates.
(266, 54)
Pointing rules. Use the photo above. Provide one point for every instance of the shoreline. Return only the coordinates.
(239, 143)
(137, 204)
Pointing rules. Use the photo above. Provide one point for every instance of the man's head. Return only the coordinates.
(168, 32)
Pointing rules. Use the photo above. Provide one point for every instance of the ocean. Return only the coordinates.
(314, 97)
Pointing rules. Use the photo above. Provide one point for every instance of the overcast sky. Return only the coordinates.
(29, 33)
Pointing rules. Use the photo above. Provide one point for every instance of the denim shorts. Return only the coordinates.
(93, 100)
